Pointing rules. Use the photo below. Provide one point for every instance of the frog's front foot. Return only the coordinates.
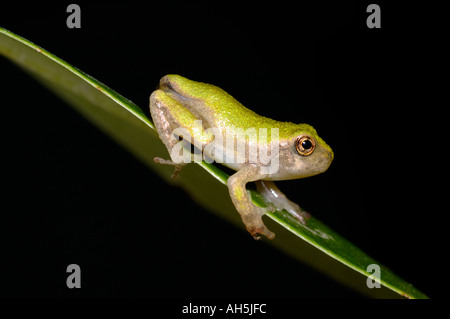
(271, 192)
(296, 211)
(250, 213)
(252, 218)
(178, 166)
(255, 226)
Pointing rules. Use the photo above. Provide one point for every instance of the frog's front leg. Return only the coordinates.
(251, 215)
(271, 192)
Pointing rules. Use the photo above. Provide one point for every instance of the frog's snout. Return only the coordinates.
(331, 156)
(327, 159)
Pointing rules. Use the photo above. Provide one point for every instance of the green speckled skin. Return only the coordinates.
(224, 112)
(179, 102)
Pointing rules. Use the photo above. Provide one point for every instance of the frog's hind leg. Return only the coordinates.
(166, 121)
(178, 167)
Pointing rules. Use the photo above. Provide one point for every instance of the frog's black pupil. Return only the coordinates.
(306, 144)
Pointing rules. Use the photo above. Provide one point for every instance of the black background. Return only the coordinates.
(71, 195)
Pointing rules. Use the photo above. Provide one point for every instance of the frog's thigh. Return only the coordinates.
(167, 117)
(251, 215)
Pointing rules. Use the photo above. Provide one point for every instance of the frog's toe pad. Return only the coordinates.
(178, 167)
(302, 216)
(261, 229)
(163, 161)
(269, 209)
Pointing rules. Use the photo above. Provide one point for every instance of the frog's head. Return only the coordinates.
(303, 153)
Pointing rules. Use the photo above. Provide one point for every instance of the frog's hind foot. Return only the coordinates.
(178, 166)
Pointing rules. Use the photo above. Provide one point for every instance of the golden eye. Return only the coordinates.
(305, 145)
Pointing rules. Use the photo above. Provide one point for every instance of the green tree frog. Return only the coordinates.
(183, 109)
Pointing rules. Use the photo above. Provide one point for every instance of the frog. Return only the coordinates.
(192, 108)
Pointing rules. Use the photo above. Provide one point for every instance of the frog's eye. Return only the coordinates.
(305, 145)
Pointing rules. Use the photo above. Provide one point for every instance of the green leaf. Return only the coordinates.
(129, 126)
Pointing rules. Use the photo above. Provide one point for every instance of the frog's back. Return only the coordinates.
(223, 111)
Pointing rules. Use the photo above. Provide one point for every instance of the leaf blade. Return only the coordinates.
(129, 126)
